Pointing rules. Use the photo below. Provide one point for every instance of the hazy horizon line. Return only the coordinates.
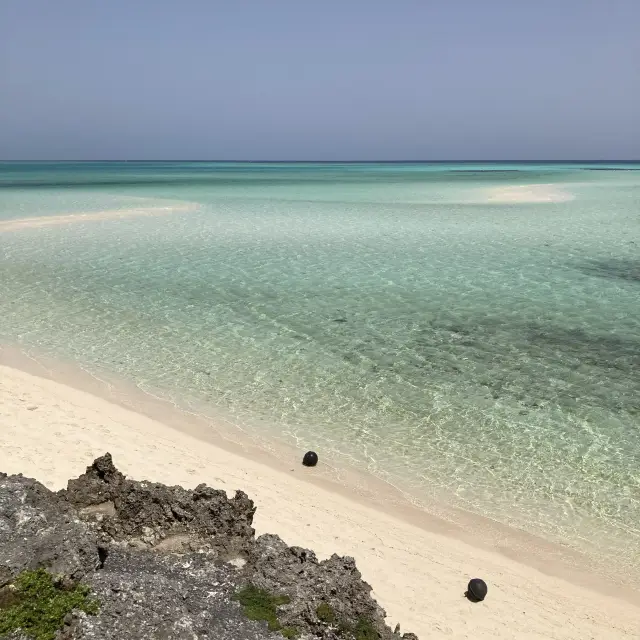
(406, 161)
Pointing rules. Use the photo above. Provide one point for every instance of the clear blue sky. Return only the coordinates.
(330, 79)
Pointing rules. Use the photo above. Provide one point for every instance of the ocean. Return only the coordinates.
(469, 332)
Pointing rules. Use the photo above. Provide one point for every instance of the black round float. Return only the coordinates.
(476, 590)
(310, 459)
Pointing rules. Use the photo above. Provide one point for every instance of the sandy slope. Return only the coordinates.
(51, 431)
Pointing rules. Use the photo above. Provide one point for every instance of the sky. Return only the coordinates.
(323, 80)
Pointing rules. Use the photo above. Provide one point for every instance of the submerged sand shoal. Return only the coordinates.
(52, 431)
(36, 222)
(527, 193)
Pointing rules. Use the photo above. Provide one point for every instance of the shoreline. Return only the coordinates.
(400, 549)
(556, 559)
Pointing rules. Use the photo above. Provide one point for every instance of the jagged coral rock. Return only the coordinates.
(152, 512)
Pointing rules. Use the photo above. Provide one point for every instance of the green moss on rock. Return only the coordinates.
(362, 630)
(259, 604)
(326, 613)
(37, 605)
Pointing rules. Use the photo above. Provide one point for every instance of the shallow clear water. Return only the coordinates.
(389, 315)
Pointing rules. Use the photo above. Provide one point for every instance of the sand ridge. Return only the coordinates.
(528, 193)
(16, 224)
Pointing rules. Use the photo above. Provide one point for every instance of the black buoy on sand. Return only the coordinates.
(476, 590)
(310, 459)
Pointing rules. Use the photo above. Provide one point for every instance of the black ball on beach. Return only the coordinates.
(310, 459)
(476, 590)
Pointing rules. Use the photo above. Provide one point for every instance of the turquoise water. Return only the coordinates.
(388, 315)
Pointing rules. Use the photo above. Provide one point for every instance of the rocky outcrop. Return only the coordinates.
(152, 514)
(335, 584)
(99, 484)
(168, 563)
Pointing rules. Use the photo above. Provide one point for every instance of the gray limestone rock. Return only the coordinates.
(37, 529)
(335, 583)
(148, 595)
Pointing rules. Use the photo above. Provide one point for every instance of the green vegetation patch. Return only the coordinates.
(362, 630)
(259, 604)
(326, 613)
(37, 605)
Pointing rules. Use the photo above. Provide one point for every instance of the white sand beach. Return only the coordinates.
(52, 431)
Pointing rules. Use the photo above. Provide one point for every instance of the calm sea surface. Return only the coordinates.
(403, 317)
